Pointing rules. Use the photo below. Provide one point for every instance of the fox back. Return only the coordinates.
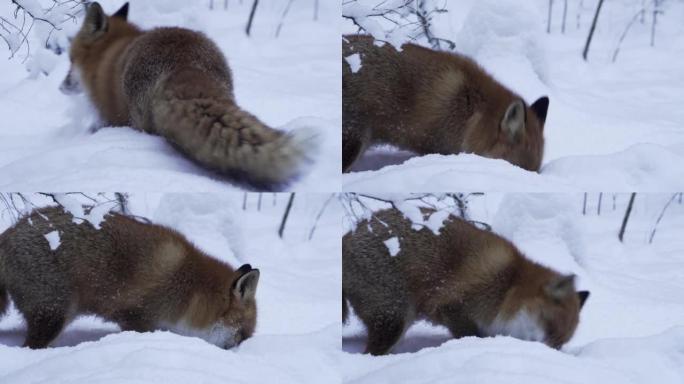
(176, 83)
(429, 101)
(141, 276)
(472, 281)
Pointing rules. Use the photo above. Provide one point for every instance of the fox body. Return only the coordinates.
(428, 101)
(471, 281)
(141, 276)
(175, 83)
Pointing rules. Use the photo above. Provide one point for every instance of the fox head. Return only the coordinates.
(225, 317)
(545, 310)
(514, 134)
(97, 33)
(242, 312)
(239, 317)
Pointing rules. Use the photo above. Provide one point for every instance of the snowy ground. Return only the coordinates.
(298, 298)
(616, 126)
(631, 328)
(288, 82)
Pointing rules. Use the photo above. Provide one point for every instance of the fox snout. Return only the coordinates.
(71, 84)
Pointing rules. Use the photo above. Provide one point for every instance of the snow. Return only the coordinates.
(354, 62)
(53, 239)
(289, 82)
(297, 339)
(611, 125)
(631, 328)
(393, 246)
(436, 220)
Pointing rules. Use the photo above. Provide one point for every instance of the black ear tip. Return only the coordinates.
(583, 296)
(122, 12)
(541, 107)
(542, 102)
(244, 269)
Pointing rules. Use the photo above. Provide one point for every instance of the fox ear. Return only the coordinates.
(540, 108)
(513, 122)
(122, 13)
(244, 288)
(561, 287)
(583, 295)
(96, 22)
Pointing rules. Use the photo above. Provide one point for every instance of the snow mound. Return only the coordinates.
(163, 357)
(209, 217)
(542, 225)
(641, 167)
(441, 173)
(509, 361)
(506, 38)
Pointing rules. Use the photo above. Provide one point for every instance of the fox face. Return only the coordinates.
(518, 136)
(548, 313)
(97, 31)
(227, 319)
(240, 316)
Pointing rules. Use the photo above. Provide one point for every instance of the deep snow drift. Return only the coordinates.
(288, 82)
(297, 339)
(631, 328)
(615, 126)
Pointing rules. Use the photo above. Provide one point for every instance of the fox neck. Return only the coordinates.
(198, 315)
(522, 325)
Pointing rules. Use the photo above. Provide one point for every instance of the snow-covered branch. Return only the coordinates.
(408, 20)
(46, 17)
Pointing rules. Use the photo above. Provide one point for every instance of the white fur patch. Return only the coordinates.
(217, 334)
(522, 325)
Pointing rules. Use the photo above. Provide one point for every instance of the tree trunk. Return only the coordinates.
(591, 30)
(548, 24)
(626, 218)
(660, 217)
(285, 215)
(248, 30)
(565, 15)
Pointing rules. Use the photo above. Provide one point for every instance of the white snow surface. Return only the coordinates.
(610, 126)
(393, 245)
(53, 239)
(297, 339)
(289, 82)
(631, 328)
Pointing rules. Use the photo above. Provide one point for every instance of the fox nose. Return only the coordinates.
(68, 88)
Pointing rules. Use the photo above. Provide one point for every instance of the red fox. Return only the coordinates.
(472, 281)
(428, 101)
(143, 277)
(175, 83)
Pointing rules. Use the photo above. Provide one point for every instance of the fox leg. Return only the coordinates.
(354, 143)
(386, 319)
(454, 317)
(44, 325)
(384, 331)
(133, 320)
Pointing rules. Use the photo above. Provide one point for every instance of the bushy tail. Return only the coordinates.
(220, 136)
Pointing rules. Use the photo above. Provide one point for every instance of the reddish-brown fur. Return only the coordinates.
(429, 101)
(141, 276)
(176, 83)
(464, 278)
